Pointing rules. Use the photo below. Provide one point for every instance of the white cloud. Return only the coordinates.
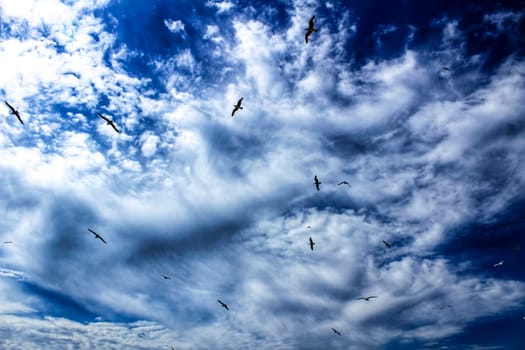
(174, 26)
(237, 192)
(149, 144)
(221, 6)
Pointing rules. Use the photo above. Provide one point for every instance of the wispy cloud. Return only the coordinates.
(222, 204)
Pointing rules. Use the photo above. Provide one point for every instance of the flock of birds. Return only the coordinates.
(238, 106)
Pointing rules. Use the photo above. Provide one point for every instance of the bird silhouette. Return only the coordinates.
(443, 307)
(312, 243)
(335, 331)
(446, 68)
(317, 182)
(97, 235)
(223, 305)
(237, 106)
(310, 29)
(109, 122)
(387, 244)
(367, 298)
(166, 277)
(14, 111)
(498, 264)
(7, 242)
(344, 183)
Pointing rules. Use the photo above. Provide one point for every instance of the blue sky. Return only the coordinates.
(225, 206)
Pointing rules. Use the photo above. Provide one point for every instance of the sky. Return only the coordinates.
(224, 206)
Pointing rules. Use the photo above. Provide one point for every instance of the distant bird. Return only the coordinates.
(223, 305)
(344, 183)
(308, 226)
(166, 277)
(387, 244)
(367, 298)
(446, 68)
(499, 264)
(317, 182)
(311, 244)
(7, 242)
(97, 235)
(109, 122)
(310, 29)
(335, 331)
(15, 112)
(237, 106)
(443, 307)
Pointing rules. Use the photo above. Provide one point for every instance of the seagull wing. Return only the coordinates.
(387, 244)
(234, 110)
(307, 35)
(240, 101)
(10, 107)
(19, 118)
(311, 22)
(114, 127)
(104, 117)
(102, 239)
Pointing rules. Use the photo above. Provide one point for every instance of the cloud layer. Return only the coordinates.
(225, 206)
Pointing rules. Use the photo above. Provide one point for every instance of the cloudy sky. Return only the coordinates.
(225, 206)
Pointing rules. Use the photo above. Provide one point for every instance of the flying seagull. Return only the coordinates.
(97, 235)
(446, 69)
(109, 122)
(443, 307)
(387, 244)
(310, 29)
(237, 106)
(335, 331)
(223, 305)
(344, 183)
(14, 111)
(499, 264)
(367, 298)
(7, 242)
(166, 277)
(317, 182)
(311, 244)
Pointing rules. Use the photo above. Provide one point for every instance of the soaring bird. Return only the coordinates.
(312, 243)
(387, 244)
(166, 277)
(367, 298)
(223, 305)
(237, 106)
(109, 122)
(14, 111)
(443, 307)
(97, 235)
(446, 68)
(310, 29)
(335, 331)
(344, 183)
(7, 242)
(499, 264)
(317, 182)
